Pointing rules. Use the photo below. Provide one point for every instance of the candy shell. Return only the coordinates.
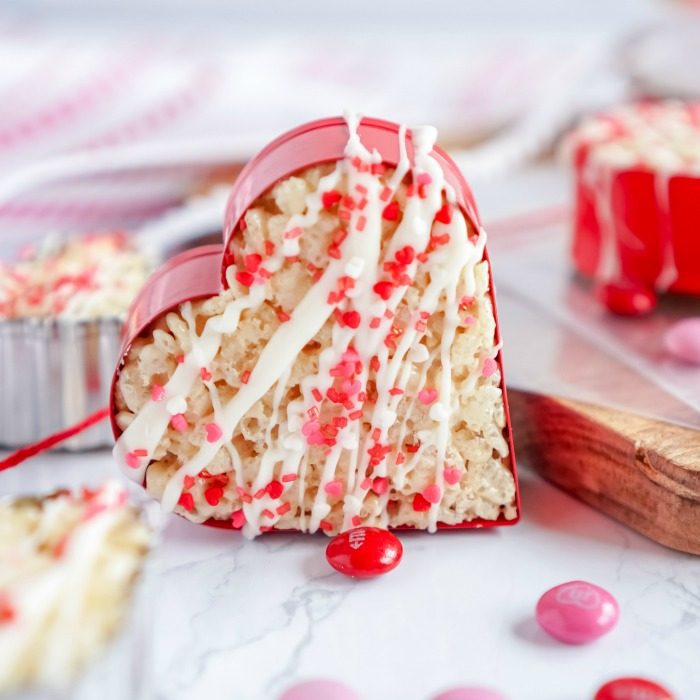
(319, 690)
(364, 552)
(469, 693)
(682, 340)
(626, 300)
(577, 612)
(633, 689)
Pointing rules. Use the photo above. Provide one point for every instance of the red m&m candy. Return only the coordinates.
(626, 299)
(364, 552)
(632, 689)
(319, 690)
(577, 612)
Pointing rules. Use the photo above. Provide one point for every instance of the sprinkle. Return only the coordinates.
(132, 460)
(466, 301)
(238, 519)
(351, 319)
(245, 376)
(214, 432)
(245, 497)
(283, 316)
(361, 189)
(452, 475)
(179, 422)
(268, 513)
(180, 359)
(157, 392)
(427, 396)
(432, 493)
(356, 415)
(469, 321)
(374, 363)
(383, 289)
(422, 257)
(444, 216)
(366, 483)
(284, 508)
(351, 388)
(489, 367)
(396, 391)
(325, 525)
(380, 485)
(330, 198)
(385, 194)
(391, 211)
(312, 412)
(269, 248)
(420, 505)
(205, 374)
(186, 501)
(424, 179)
(316, 393)
(244, 278)
(348, 202)
(213, 495)
(400, 458)
(356, 520)
(361, 223)
(412, 448)
(252, 262)
(188, 481)
(259, 494)
(274, 489)
(375, 322)
(7, 610)
(334, 488)
(286, 478)
(405, 255)
(294, 233)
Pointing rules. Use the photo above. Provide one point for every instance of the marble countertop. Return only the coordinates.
(244, 620)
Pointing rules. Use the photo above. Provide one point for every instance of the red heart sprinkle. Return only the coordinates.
(351, 319)
(391, 211)
(186, 501)
(383, 289)
(330, 198)
(213, 495)
(444, 216)
(274, 489)
(420, 505)
(238, 519)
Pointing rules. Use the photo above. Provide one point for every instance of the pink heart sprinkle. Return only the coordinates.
(380, 484)
(238, 519)
(432, 493)
(351, 388)
(179, 422)
(334, 488)
(427, 396)
(157, 392)
(315, 438)
(469, 321)
(452, 475)
(311, 426)
(214, 432)
(489, 367)
(132, 460)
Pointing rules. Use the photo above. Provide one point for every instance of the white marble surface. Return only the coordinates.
(243, 620)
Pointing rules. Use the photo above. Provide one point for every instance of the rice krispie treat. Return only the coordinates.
(68, 563)
(84, 277)
(346, 376)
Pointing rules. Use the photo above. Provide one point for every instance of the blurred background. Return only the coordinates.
(113, 112)
(82, 77)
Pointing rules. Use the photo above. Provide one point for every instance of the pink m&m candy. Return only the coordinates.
(364, 552)
(632, 689)
(470, 693)
(319, 690)
(626, 300)
(682, 340)
(577, 612)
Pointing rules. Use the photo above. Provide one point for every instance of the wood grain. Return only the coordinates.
(644, 473)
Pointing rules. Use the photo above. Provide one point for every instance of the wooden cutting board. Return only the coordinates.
(644, 473)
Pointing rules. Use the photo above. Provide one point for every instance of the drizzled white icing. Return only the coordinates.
(361, 258)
